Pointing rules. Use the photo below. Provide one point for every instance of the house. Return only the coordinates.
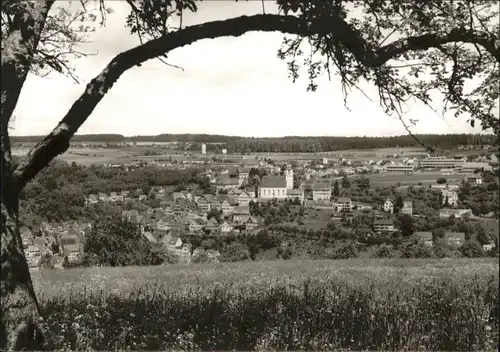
(449, 198)
(250, 164)
(474, 179)
(186, 249)
(213, 254)
(212, 225)
(195, 226)
(70, 245)
(425, 237)
(454, 239)
(295, 194)
(383, 226)
(322, 191)
(127, 214)
(488, 247)
(251, 223)
(178, 195)
(172, 241)
(103, 197)
(227, 209)
(203, 204)
(26, 236)
(272, 187)
(458, 213)
(92, 199)
(226, 182)
(243, 199)
(344, 205)
(149, 236)
(407, 207)
(241, 214)
(225, 227)
(163, 225)
(243, 174)
(363, 206)
(388, 206)
(250, 190)
(33, 255)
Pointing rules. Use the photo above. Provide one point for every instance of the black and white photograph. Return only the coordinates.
(250, 175)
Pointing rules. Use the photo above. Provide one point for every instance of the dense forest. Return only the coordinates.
(291, 144)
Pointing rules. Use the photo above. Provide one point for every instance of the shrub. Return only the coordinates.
(345, 251)
(385, 251)
(471, 249)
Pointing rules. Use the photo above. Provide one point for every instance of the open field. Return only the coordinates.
(86, 156)
(278, 305)
(358, 154)
(426, 178)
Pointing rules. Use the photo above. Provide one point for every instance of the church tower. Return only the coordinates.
(289, 178)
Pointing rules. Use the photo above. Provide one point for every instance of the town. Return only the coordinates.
(236, 207)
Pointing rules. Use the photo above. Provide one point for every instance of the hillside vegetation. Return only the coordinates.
(287, 305)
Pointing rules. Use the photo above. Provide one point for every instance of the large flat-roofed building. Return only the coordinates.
(442, 162)
(472, 167)
(399, 168)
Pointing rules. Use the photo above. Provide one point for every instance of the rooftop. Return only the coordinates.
(321, 185)
(383, 222)
(273, 182)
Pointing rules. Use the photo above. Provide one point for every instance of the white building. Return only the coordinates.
(442, 162)
(472, 167)
(473, 179)
(322, 191)
(203, 148)
(449, 196)
(344, 205)
(273, 187)
(295, 194)
(383, 226)
(289, 178)
(399, 168)
(388, 206)
(407, 207)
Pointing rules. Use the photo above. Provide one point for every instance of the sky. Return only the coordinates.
(229, 86)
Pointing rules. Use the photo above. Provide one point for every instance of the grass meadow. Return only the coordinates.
(425, 178)
(278, 305)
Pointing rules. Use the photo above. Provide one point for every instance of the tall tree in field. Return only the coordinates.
(407, 49)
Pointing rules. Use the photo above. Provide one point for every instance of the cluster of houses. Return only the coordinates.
(63, 239)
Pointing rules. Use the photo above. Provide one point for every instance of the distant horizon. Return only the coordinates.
(257, 137)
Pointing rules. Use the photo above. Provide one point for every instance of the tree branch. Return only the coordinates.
(57, 142)
(433, 40)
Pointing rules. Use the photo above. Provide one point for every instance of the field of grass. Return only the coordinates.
(278, 305)
(426, 178)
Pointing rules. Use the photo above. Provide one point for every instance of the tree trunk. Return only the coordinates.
(20, 311)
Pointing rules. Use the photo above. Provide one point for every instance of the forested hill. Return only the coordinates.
(294, 144)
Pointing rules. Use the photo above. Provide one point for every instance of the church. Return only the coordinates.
(276, 186)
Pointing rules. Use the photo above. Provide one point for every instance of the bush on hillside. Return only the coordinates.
(345, 251)
(113, 242)
(385, 251)
(472, 249)
(417, 249)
